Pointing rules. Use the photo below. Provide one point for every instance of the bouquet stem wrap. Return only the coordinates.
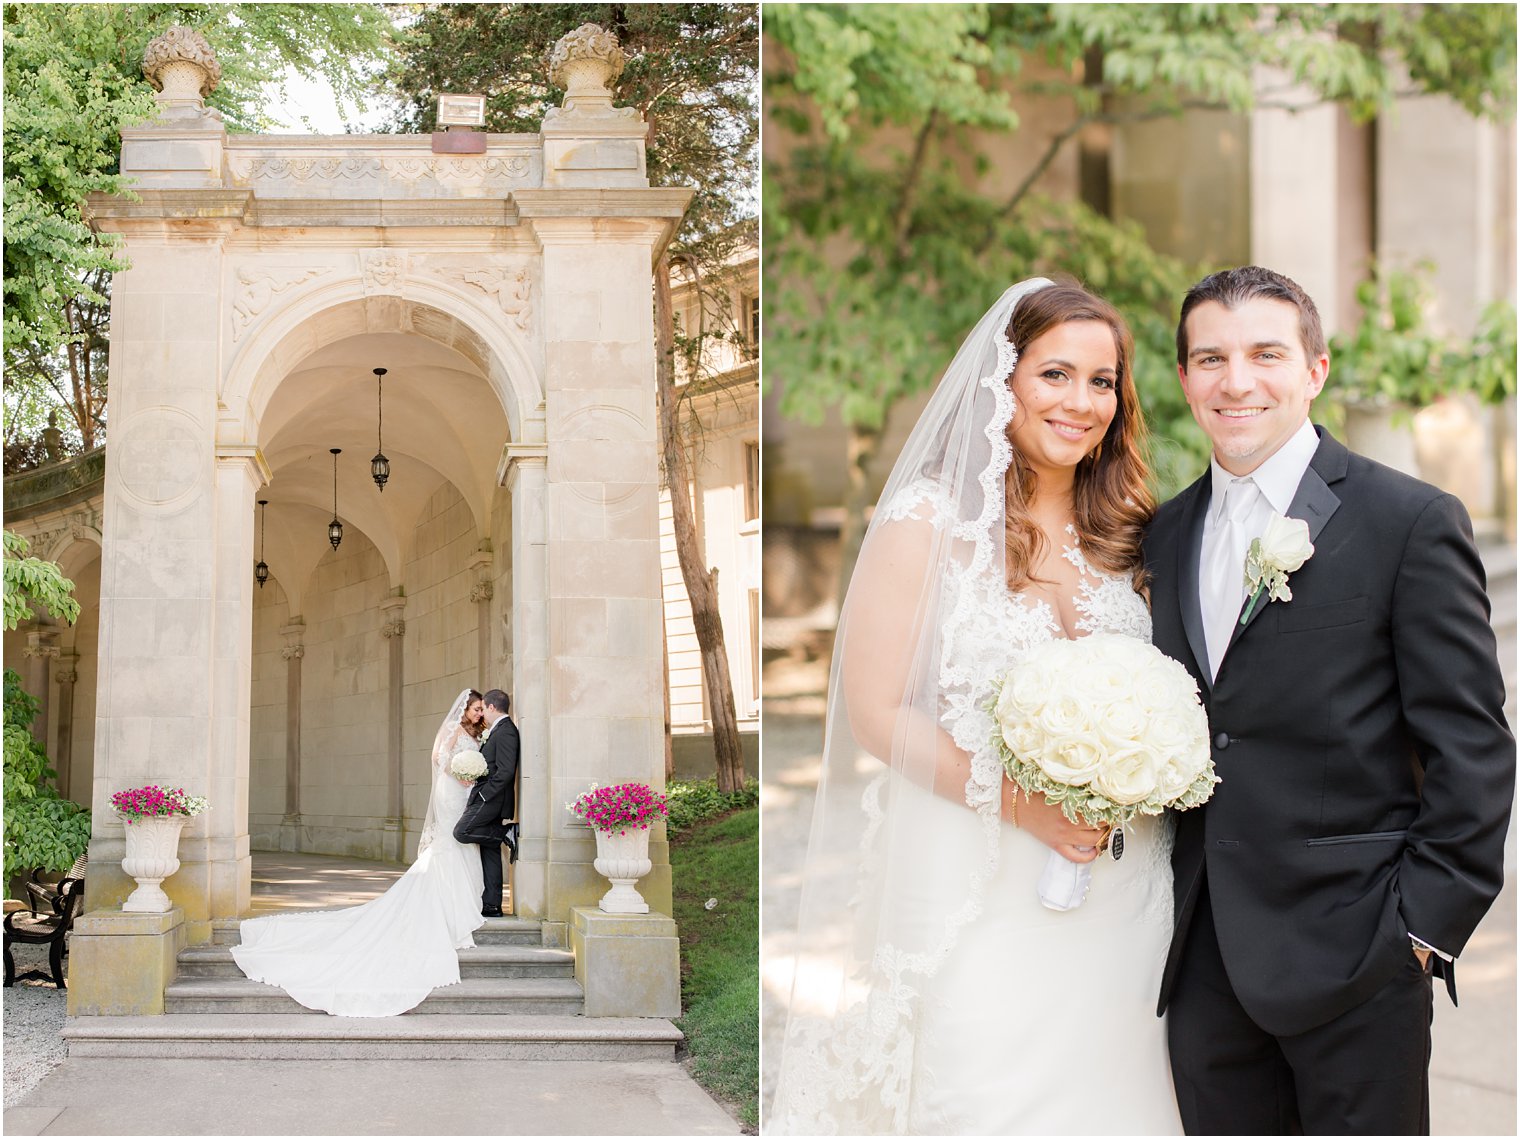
(1064, 883)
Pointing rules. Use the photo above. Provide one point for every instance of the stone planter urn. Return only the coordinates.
(152, 856)
(623, 858)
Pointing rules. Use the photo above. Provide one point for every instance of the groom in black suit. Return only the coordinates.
(492, 798)
(1357, 834)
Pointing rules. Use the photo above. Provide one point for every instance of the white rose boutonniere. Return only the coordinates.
(1281, 550)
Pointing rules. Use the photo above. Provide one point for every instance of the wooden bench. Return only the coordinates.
(42, 887)
(50, 929)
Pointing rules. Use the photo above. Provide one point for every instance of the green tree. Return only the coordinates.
(881, 250)
(73, 79)
(691, 71)
(42, 828)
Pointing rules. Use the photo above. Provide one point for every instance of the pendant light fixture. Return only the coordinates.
(335, 528)
(261, 570)
(379, 466)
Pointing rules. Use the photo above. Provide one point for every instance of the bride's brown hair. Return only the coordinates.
(477, 729)
(1112, 501)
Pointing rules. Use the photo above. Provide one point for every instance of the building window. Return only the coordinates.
(751, 481)
(752, 327)
(754, 644)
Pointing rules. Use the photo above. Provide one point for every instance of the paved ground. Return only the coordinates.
(1473, 1069)
(367, 1097)
(85, 1096)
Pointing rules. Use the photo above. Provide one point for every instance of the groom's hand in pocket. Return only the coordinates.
(1044, 820)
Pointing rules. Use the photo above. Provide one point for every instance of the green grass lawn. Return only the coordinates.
(720, 955)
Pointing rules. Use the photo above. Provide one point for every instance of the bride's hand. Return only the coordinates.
(1044, 820)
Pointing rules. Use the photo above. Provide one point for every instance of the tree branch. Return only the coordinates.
(903, 216)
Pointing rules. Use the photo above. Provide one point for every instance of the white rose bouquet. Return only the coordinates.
(1108, 727)
(467, 764)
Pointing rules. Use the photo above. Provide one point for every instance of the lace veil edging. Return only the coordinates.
(876, 919)
(438, 752)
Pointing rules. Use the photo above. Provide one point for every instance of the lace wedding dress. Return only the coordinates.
(383, 957)
(933, 993)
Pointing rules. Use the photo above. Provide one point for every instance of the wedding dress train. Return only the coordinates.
(383, 957)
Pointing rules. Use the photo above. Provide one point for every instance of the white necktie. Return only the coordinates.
(1224, 589)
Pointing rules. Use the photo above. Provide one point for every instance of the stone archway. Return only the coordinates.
(356, 650)
(263, 269)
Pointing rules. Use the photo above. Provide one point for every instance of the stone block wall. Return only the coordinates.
(346, 682)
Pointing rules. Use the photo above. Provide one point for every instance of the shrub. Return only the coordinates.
(696, 801)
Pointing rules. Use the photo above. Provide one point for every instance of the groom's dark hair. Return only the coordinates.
(1234, 287)
(499, 700)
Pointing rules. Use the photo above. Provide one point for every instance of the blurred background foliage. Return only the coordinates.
(883, 244)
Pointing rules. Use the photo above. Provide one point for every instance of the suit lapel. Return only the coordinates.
(1314, 503)
(1189, 550)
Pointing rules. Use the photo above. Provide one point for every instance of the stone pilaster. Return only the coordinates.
(293, 652)
(240, 472)
(65, 675)
(522, 472)
(40, 653)
(1294, 219)
(394, 631)
(605, 658)
(481, 593)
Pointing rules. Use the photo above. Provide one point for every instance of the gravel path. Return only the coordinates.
(33, 1019)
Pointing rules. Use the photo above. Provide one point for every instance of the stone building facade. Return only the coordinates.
(515, 544)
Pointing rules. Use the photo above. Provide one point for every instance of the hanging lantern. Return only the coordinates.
(379, 466)
(335, 528)
(261, 570)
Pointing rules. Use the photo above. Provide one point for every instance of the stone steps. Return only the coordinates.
(484, 962)
(514, 996)
(298, 1037)
(495, 931)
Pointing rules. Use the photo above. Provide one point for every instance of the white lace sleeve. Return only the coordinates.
(445, 752)
(924, 500)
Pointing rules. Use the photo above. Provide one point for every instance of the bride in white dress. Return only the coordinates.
(383, 957)
(933, 993)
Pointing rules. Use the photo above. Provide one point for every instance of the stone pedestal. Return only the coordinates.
(120, 963)
(628, 964)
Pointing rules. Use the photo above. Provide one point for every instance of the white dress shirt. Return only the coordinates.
(1223, 552)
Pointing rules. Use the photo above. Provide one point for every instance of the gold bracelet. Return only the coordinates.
(1015, 803)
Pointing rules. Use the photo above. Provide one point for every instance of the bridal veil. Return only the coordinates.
(441, 752)
(885, 897)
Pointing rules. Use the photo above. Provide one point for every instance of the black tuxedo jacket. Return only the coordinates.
(491, 800)
(1358, 730)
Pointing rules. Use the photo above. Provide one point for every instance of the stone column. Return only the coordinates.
(393, 838)
(601, 229)
(1443, 200)
(1294, 217)
(294, 651)
(240, 473)
(65, 676)
(601, 503)
(523, 474)
(177, 517)
(41, 650)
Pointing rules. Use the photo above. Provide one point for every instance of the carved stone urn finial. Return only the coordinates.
(183, 70)
(586, 62)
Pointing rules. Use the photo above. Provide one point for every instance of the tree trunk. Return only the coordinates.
(701, 584)
(863, 445)
(670, 751)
